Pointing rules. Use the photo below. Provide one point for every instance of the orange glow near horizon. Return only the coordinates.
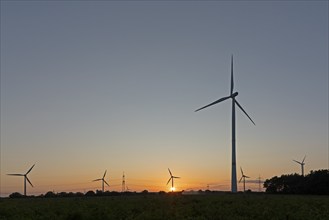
(82, 182)
(214, 176)
(42, 186)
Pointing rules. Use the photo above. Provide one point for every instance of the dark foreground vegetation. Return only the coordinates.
(169, 206)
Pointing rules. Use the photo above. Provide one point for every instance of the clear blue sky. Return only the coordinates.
(94, 85)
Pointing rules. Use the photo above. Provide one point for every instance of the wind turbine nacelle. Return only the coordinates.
(234, 94)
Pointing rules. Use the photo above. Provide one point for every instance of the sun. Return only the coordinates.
(172, 188)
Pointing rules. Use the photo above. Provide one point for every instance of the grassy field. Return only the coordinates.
(226, 206)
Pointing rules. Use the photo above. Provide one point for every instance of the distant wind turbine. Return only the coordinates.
(103, 181)
(234, 102)
(301, 164)
(244, 179)
(172, 180)
(25, 178)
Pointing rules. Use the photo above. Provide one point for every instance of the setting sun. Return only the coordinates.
(172, 189)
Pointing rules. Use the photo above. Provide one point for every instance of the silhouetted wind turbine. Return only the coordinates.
(234, 102)
(103, 181)
(244, 180)
(301, 164)
(25, 178)
(172, 180)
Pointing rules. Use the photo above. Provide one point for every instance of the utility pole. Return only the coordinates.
(123, 183)
(259, 184)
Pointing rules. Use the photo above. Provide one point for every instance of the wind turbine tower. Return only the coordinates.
(301, 164)
(232, 96)
(25, 178)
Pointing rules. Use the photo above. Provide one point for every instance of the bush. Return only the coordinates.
(16, 195)
(50, 194)
(90, 193)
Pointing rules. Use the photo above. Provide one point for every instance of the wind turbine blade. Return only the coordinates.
(15, 174)
(169, 172)
(244, 111)
(168, 181)
(241, 171)
(304, 159)
(240, 179)
(97, 180)
(30, 169)
(104, 174)
(246, 176)
(28, 181)
(297, 162)
(213, 103)
(176, 177)
(232, 82)
(106, 182)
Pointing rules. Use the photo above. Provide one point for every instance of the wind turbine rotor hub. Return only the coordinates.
(234, 94)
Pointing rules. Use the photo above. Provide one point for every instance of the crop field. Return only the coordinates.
(219, 206)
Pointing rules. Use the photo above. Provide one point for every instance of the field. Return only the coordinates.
(219, 206)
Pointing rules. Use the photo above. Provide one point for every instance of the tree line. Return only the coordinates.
(316, 182)
(90, 193)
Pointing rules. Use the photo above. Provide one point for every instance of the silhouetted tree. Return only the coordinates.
(316, 182)
(62, 194)
(79, 194)
(50, 194)
(100, 193)
(144, 191)
(16, 195)
(90, 193)
(288, 184)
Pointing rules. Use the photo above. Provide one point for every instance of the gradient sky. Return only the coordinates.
(94, 85)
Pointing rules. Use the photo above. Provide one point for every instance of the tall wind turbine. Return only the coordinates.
(234, 102)
(172, 180)
(244, 179)
(103, 181)
(301, 164)
(25, 178)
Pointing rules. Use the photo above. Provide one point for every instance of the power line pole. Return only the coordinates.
(123, 183)
(259, 184)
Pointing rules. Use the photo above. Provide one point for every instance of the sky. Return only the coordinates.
(89, 86)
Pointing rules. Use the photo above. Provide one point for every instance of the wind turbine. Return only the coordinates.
(234, 102)
(25, 178)
(103, 181)
(244, 179)
(301, 164)
(172, 180)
